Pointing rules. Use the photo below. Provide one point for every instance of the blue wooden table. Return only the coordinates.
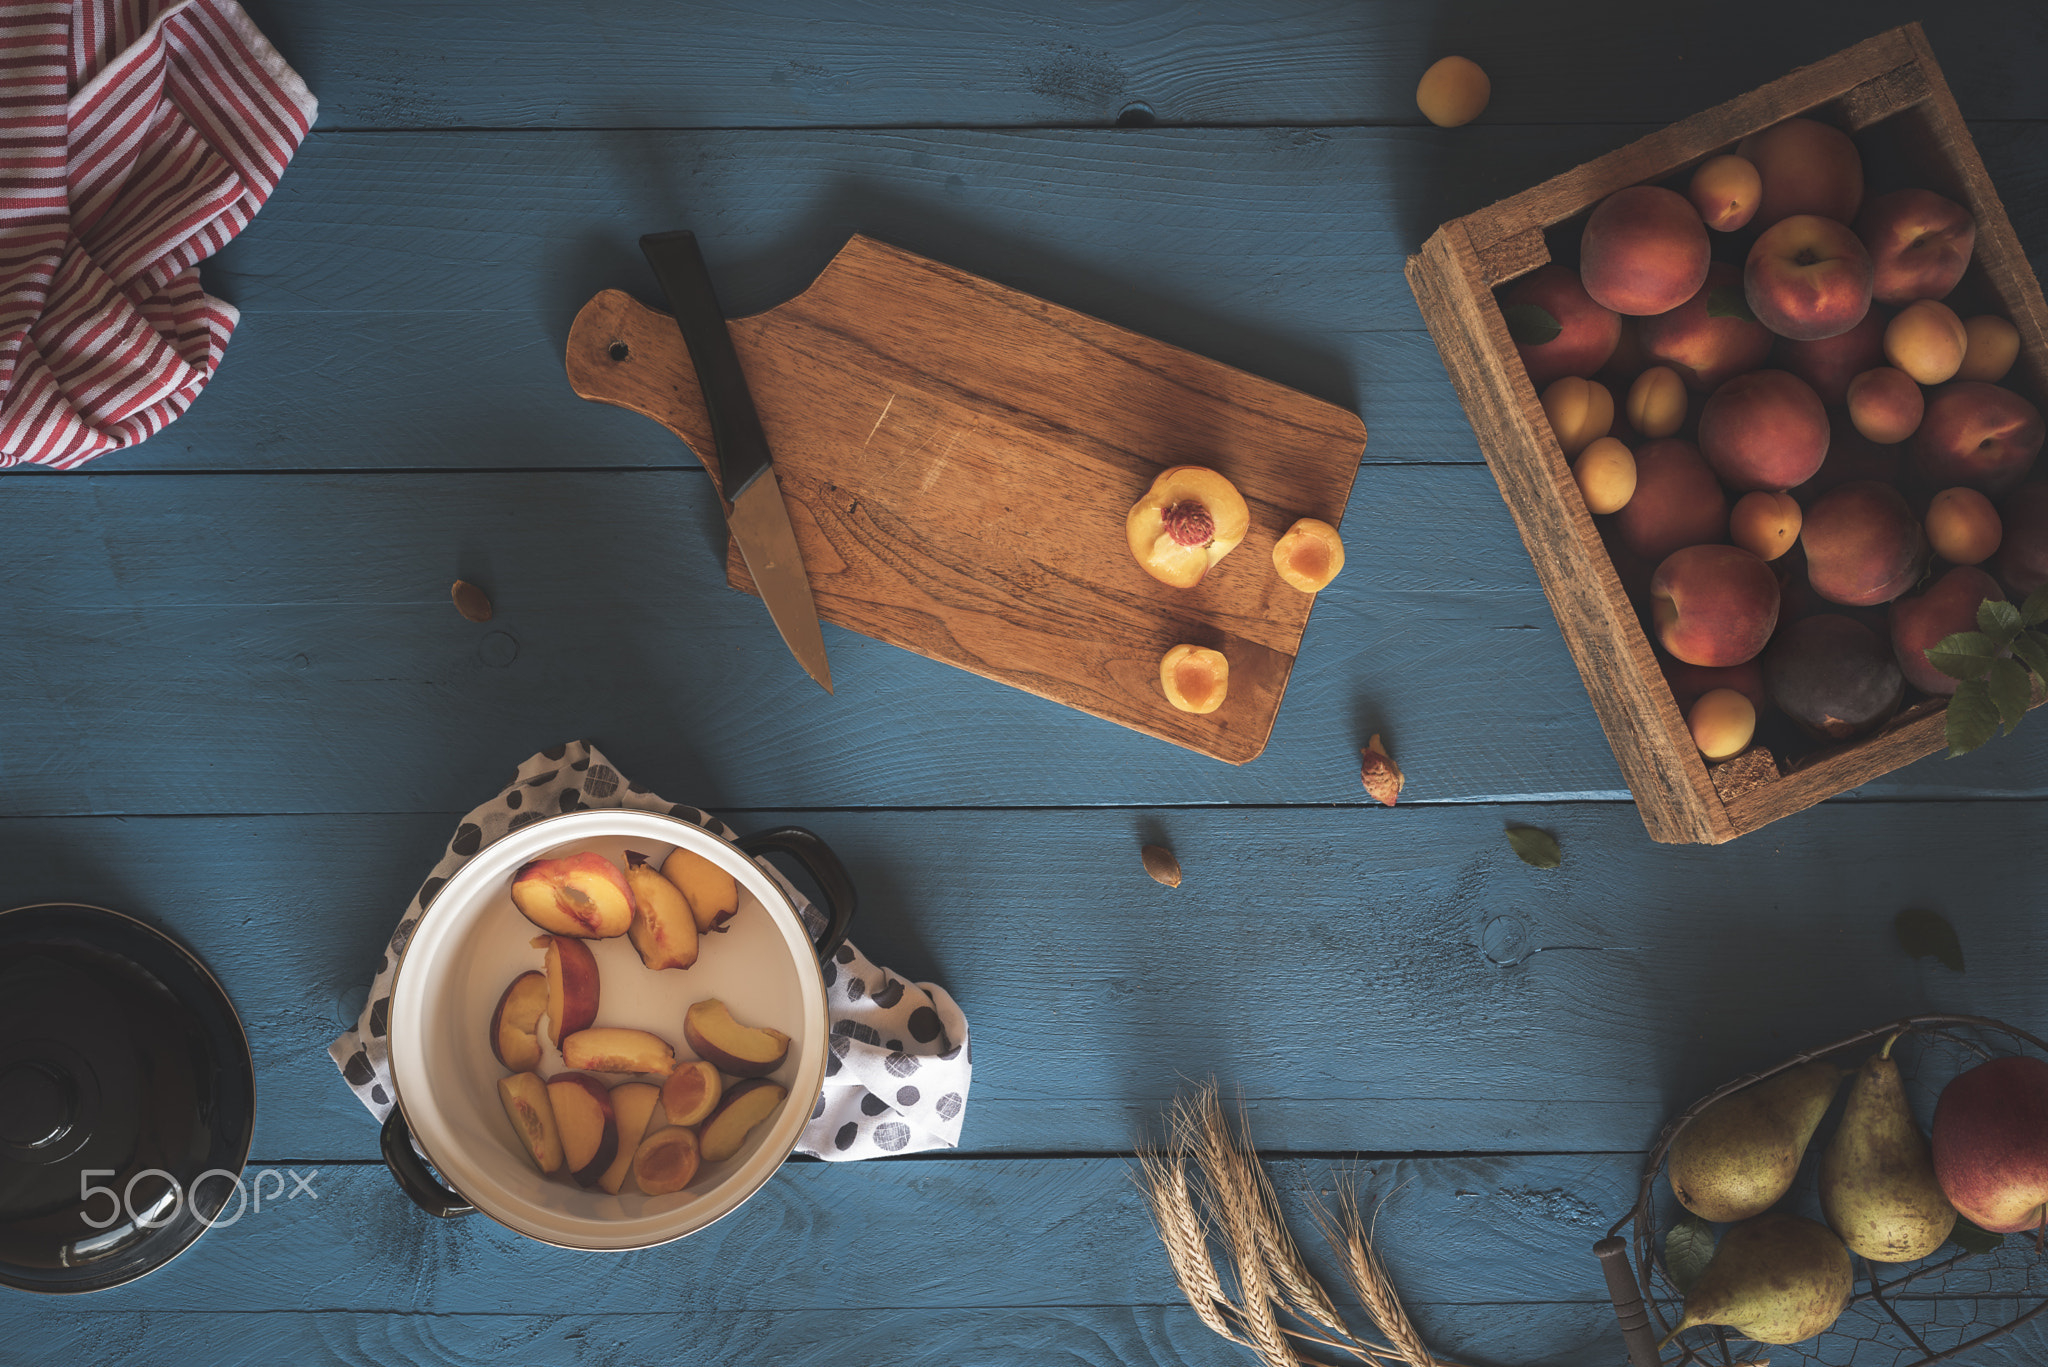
(238, 700)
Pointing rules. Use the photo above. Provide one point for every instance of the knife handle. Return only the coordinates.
(735, 425)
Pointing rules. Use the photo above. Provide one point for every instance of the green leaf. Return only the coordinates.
(1688, 1248)
(1999, 620)
(2035, 610)
(1925, 935)
(1531, 324)
(2011, 690)
(1728, 301)
(2032, 647)
(1972, 717)
(1971, 1239)
(1965, 655)
(1535, 847)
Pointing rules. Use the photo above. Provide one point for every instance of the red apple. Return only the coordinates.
(1586, 333)
(1919, 244)
(1764, 430)
(1644, 251)
(1808, 278)
(1990, 1142)
(1712, 336)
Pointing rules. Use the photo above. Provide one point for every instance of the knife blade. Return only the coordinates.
(755, 514)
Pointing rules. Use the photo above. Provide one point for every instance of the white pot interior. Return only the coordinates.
(473, 941)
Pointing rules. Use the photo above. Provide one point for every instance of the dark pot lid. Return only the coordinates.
(123, 1070)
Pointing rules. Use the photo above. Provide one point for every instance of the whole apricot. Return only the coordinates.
(1994, 344)
(1726, 190)
(1606, 472)
(1579, 410)
(1454, 91)
(1927, 341)
(1765, 524)
(1723, 723)
(1656, 402)
(1309, 554)
(1963, 526)
(1886, 405)
(1196, 678)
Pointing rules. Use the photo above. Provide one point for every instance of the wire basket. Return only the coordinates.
(1902, 1314)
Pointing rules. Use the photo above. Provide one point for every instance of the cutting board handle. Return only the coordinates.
(623, 353)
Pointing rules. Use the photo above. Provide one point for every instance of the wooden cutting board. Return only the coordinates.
(959, 458)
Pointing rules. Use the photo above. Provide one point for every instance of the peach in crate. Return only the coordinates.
(1616, 221)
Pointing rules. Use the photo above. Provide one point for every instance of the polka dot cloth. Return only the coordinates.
(897, 1072)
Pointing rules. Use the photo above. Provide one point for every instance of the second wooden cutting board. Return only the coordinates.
(959, 457)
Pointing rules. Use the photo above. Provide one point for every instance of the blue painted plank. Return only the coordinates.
(1379, 981)
(286, 644)
(1562, 1335)
(407, 297)
(388, 64)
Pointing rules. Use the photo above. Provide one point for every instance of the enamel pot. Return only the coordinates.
(473, 941)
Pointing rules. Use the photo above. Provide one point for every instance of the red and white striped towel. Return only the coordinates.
(137, 137)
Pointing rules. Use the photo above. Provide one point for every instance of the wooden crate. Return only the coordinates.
(1888, 92)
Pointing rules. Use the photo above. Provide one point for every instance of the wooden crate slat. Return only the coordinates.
(1629, 695)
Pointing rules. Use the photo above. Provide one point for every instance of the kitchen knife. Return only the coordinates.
(756, 514)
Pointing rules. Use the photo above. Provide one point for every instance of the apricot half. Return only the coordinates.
(1309, 555)
(1188, 520)
(1195, 678)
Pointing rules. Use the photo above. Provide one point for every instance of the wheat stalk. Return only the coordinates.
(1363, 1268)
(1207, 1182)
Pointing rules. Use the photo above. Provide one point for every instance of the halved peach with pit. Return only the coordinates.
(1188, 520)
(1195, 678)
(1309, 555)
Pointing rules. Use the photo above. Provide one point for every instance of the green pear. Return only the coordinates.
(1737, 1157)
(1877, 1181)
(1776, 1278)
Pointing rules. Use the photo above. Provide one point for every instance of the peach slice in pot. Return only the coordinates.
(691, 1092)
(742, 1108)
(1188, 520)
(526, 1102)
(633, 1106)
(570, 970)
(583, 895)
(742, 1050)
(666, 1160)
(612, 1049)
(584, 1119)
(515, 1024)
(713, 894)
(664, 930)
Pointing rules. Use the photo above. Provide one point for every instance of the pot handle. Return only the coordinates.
(412, 1175)
(824, 868)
